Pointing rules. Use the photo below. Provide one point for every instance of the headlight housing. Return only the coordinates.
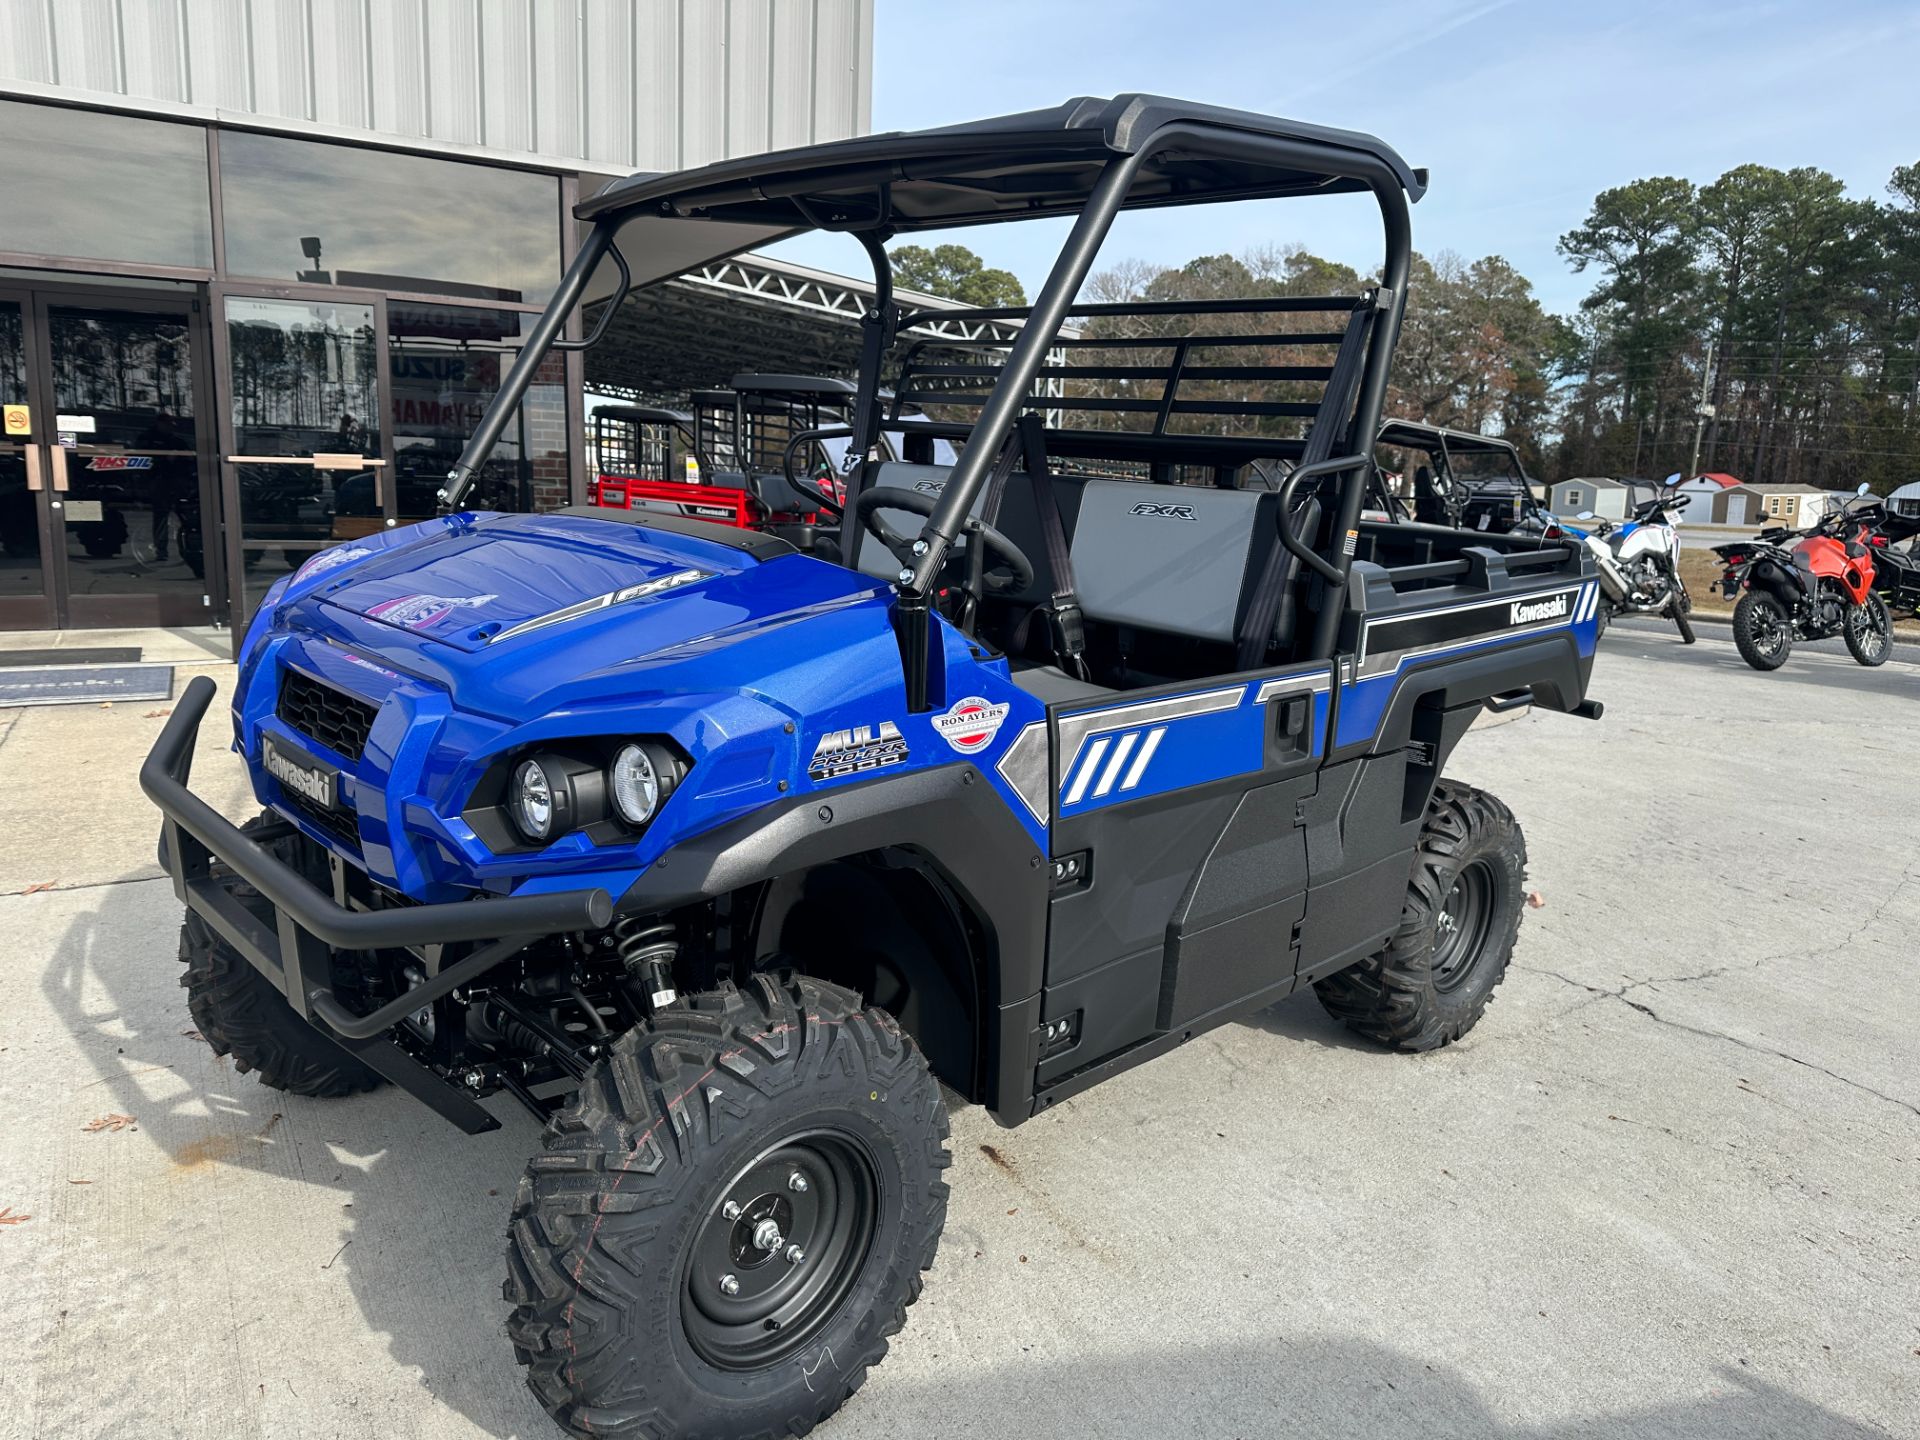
(608, 788)
(530, 801)
(639, 778)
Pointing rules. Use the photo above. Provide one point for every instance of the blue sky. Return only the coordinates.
(1523, 110)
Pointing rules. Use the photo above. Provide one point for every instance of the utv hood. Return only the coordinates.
(502, 581)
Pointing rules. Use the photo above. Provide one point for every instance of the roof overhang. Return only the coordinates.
(1023, 166)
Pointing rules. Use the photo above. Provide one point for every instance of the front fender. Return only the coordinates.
(951, 818)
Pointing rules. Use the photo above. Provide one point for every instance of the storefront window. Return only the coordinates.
(306, 401)
(105, 187)
(377, 220)
(447, 363)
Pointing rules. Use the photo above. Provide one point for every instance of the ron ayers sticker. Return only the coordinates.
(970, 725)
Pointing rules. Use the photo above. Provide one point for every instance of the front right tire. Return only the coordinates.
(239, 1012)
(730, 1218)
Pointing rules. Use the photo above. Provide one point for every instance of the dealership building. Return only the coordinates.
(263, 264)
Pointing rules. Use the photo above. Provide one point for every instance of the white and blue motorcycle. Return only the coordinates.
(1638, 559)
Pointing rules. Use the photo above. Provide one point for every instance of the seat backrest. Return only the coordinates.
(1169, 557)
(1019, 521)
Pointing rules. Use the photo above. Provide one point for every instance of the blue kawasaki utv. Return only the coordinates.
(717, 855)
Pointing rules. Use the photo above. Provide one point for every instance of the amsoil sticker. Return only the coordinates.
(970, 726)
(416, 612)
(119, 462)
(863, 747)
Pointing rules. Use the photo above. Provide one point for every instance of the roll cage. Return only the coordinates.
(1089, 159)
(1445, 490)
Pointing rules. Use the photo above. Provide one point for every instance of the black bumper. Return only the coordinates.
(292, 951)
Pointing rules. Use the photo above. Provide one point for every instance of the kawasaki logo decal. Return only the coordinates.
(1556, 607)
(863, 747)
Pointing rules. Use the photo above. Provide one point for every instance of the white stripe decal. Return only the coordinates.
(1084, 775)
(1120, 753)
(1146, 753)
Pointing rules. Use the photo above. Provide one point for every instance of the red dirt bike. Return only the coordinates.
(1823, 586)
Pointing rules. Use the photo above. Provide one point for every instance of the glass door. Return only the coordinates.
(121, 452)
(26, 587)
(306, 448)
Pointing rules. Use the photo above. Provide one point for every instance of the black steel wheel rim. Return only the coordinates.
(780, 1250)
(1767, 629)
(1460, 929)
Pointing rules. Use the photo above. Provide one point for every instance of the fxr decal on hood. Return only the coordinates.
(644, 591)
(416, 612)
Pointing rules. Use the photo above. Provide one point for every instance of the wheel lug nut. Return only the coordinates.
(797, 1183)
(729, 1285)
(795, 1254)
(730, 1211)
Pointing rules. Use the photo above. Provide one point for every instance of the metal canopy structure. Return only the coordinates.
(753, 313)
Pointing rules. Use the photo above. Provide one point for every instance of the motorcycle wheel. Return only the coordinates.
(1762, 631)
(1869, 632)
(1681, 604)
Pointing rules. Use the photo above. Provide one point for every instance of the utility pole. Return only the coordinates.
(1704, 412)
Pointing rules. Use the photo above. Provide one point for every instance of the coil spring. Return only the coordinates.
(649, 949)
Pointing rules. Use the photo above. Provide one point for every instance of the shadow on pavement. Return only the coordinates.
(422, 1226)
(1307, 1389)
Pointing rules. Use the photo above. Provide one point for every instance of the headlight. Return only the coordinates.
(531, 801)
(639, 779)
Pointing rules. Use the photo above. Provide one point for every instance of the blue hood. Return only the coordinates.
(502, 581)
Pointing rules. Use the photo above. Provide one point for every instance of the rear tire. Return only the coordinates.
(1762, 632)
(1869, 632)
(239, 1012)
(1436, 976)
(622, 1244)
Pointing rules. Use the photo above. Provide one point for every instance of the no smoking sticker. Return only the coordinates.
(19, 420)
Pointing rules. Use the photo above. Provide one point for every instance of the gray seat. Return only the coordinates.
(1171, 557)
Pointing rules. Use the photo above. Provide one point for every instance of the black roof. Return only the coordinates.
(1418, 435)
(800, 386)
(1038, 162)
(642, 414)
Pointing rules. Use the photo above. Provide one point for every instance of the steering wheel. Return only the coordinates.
(816, 485)
(866, 514)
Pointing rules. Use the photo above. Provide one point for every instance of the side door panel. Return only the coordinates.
(1179, 869)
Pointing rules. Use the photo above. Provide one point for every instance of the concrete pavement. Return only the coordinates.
(1669, 1186)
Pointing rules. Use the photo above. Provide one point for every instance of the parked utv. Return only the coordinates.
(714, 854)
(1459, 478)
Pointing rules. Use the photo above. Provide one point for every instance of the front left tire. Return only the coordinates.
(729, 1220)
